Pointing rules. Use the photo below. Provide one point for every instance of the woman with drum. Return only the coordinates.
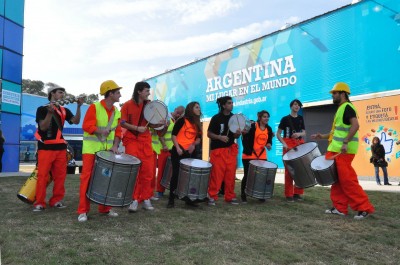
(378, 159)
(186, 134)
(294, 132)
(254, 143)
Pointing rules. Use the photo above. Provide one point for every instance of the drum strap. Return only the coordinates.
(101, 137)
(258, 156)
(140, 118)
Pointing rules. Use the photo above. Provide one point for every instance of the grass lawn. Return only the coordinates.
(274, 232)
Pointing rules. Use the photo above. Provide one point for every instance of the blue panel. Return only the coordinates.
(12, 67)
(11, 97)
(13, 36)
(1, 63)
(11, 158)
(14, 11)
(1, 31)
(2, 7)
(10, 124)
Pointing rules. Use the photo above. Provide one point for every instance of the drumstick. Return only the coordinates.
(332, 157)
(240, 129)
(150, 119)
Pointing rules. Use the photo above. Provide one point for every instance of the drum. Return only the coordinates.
(261, 179)
(297, 161)
(238, 122)
(324, 170)
(113, 179)
(28, 191)
(167, 174)
(156, 112)
(193, 179)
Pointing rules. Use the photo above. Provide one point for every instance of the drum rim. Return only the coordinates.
(263, 161)
(246, 121)
(139, 162)
(209, 165)
(330, 161)
(286, 159)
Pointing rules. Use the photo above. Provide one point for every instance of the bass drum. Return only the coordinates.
(324, 170)
(155, 112)
(297, 161)
(238, 122)
(193, 179)
(261, 179)
(113, 179)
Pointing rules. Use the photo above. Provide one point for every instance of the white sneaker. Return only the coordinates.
(334, 211)
(133, 206)
(211, 202)
(38, 208)
(154, 198)
(60, 205)
(82, 217)
(111, 213)
(147, 205)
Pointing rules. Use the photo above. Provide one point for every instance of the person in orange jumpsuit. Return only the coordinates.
(223, 153)
(254, 144)
(186, 134)
(137, 142)
(343, 146)
(165, 139)
(52, 148)
(294, 131)
(99, 138)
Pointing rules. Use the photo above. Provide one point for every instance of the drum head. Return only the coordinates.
(119, 159)
(155, 111)
(300, 151)
(321, 163)
(237, 122)
(195, 163)
(263, 163)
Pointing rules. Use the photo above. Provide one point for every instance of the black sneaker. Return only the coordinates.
(289, 199)
(171, 204)
(60, 205)
(297, 198)
(361, 215)
(388, 184)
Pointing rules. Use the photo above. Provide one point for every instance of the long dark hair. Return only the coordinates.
(139, 87)
(221, 102)
(192, 118)
(260, 114)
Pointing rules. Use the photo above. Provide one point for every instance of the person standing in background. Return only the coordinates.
(2, 140)
(294, 133)
(378, 159)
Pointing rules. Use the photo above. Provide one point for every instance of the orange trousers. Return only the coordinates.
(223, 169)
(84, 202)
(162, 161)
(144, 152)
(54, 161)
(347, 191)
(291, 189)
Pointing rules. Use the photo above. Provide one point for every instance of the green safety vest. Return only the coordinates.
(93, 143)
(340, 132)
(156, 143)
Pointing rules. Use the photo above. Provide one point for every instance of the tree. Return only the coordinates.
(34, 87)
(90, 98)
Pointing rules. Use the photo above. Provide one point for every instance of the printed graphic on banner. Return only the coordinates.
(378, 118)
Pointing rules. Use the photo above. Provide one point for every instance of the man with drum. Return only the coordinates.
(137, 142)
(223, 153)
(165, 144)
(343, 146)
(294, 132)
(254, 143)
(52, 148)
(101, 131)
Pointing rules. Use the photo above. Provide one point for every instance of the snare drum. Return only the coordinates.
(261, 179)
(156, 112)
(297, 161)
(193, 179)
(238, 122)
(324, 170)
(167, 174)
(113, 179)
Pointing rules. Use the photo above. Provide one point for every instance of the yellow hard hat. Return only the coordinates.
(107, 86)
(340, 86)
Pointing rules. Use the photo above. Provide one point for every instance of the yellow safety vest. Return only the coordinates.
(93, 143)
(155, 140)
(340, 131)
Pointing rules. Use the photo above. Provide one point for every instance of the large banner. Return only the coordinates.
(378, 118)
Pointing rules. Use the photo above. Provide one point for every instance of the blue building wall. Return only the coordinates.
(11, 53)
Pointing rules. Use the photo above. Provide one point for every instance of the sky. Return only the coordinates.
(78, 44)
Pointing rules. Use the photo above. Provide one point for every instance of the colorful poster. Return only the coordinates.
(378, 117)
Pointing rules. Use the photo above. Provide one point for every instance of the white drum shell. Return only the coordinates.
(155, 111)
(238, 122)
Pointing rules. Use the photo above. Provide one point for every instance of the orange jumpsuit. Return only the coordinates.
(89, 125)
(139, 145)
